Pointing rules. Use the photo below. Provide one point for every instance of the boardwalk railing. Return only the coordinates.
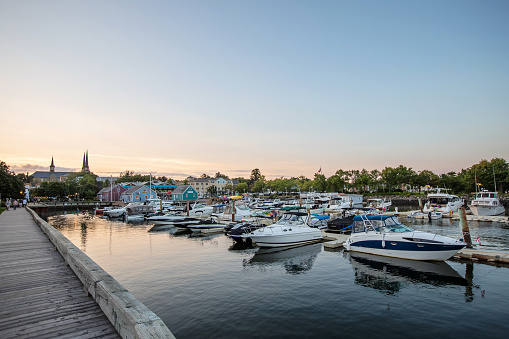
(130, 317)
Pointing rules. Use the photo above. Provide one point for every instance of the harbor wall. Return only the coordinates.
(131, 318)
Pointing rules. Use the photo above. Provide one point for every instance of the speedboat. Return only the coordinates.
(136, 211)
(237, 230)
(236, 212)
(206, 226)
(291, 230)
(319, 221)
(200, 210)
(166, 219)
(115, 212)
(379, 204)
(487, 204)
(385, 235)
(441, 202)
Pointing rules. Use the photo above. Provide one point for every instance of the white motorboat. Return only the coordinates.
(487, 204)
(161, 205)
(430, 215)
(137, 211)
(379, 204)
(207, 226)
(200, 210)
(166, 219)
(442, 202)
(291, 230)
(236, 212)
(115, 212)
(346, 201)
(385, 235)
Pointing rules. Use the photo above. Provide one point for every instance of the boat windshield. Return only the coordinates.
(290, 219)
(393, 225)
(388, 225)
(439, 200)
(243, 207)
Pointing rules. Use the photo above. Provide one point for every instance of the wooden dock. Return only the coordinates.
(40, 296)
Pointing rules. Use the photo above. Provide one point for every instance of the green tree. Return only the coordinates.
(486, 173)
(10, 184)
(255, 175)
(212, 190)
(338, 182)
(259, 185)
(220, 175)
(242, 187)
(363, 180)
(320, 183)
(425, 178)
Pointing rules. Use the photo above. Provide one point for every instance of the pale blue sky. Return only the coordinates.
(189, 87)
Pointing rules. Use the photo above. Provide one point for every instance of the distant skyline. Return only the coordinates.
(180, 88)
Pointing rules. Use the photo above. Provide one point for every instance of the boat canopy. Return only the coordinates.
(292, 208)
(299, 214)
(320, 217)
(381, 217)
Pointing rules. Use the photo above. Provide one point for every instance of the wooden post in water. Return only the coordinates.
(187, 207)
(464, 227)
(420, 204)
(233, 211)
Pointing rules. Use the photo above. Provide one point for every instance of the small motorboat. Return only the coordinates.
(385, 235)
(206, 226)
(340, 225)
(291, 230)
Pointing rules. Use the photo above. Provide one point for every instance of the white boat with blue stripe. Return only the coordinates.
(386, 235)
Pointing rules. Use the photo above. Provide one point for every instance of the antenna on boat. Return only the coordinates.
(495, 181)
(475, 176)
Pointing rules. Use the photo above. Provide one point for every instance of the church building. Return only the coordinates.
(51, 176)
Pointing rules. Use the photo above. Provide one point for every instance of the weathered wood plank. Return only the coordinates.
(40, 296)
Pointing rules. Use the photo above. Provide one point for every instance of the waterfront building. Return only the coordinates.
(184, 193)
(139, 193)
(202, 185)
(111, 193)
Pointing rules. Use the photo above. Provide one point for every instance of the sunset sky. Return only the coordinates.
(182, 88)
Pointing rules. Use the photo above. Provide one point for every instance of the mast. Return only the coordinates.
(495, 181)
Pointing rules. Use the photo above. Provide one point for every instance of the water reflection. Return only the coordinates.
(295, 260)
(390, 275)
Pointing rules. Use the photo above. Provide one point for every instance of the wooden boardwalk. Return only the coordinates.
(40, 296)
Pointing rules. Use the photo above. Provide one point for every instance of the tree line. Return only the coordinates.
(483, 175)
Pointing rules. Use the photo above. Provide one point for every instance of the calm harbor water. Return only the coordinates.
(205, 286)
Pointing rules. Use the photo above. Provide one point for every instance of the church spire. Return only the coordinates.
(85, 167)
(52, 166)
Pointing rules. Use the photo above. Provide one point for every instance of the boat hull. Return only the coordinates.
(406, 250)
(286, 240)
(487, 210)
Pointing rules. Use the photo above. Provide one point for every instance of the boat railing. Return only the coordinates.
(367, 223)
